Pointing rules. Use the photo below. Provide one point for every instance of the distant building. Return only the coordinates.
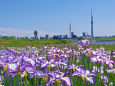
(73, 36)
(26, 38)
(47, 36)
(65, 36)
(35, 34)
(42, 38)
(84, 35)
(113, 36)
(57, 37)
(31, 37)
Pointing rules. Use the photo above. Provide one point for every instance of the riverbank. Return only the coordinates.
(49, 42)
(104, 38)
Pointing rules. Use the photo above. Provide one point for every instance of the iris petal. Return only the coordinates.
(66, 80)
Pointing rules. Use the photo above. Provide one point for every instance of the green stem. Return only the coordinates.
(26, 83)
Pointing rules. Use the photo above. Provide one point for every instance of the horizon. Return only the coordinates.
(21, 18)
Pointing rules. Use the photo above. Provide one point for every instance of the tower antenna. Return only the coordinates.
(70, 30)
(91, 25)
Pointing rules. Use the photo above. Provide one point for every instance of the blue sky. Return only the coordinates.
(22, 17)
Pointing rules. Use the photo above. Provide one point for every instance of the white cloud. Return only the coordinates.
(21, 33)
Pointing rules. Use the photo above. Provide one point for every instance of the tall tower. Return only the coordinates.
(35, 34)
(91, 25)
(70, 30)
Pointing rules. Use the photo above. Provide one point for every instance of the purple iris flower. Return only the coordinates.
(110, 70)
(104, 78)
(31, 61)
(84, 42)
(47, 64)
(86, 75)
(77, 53)
(12, 67)
(75, 68)
(100, 57)
(58, 77)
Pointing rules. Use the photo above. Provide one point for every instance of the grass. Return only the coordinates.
(104, 38)
(48, 42)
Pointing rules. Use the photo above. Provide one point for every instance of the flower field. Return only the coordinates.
(51, 66)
